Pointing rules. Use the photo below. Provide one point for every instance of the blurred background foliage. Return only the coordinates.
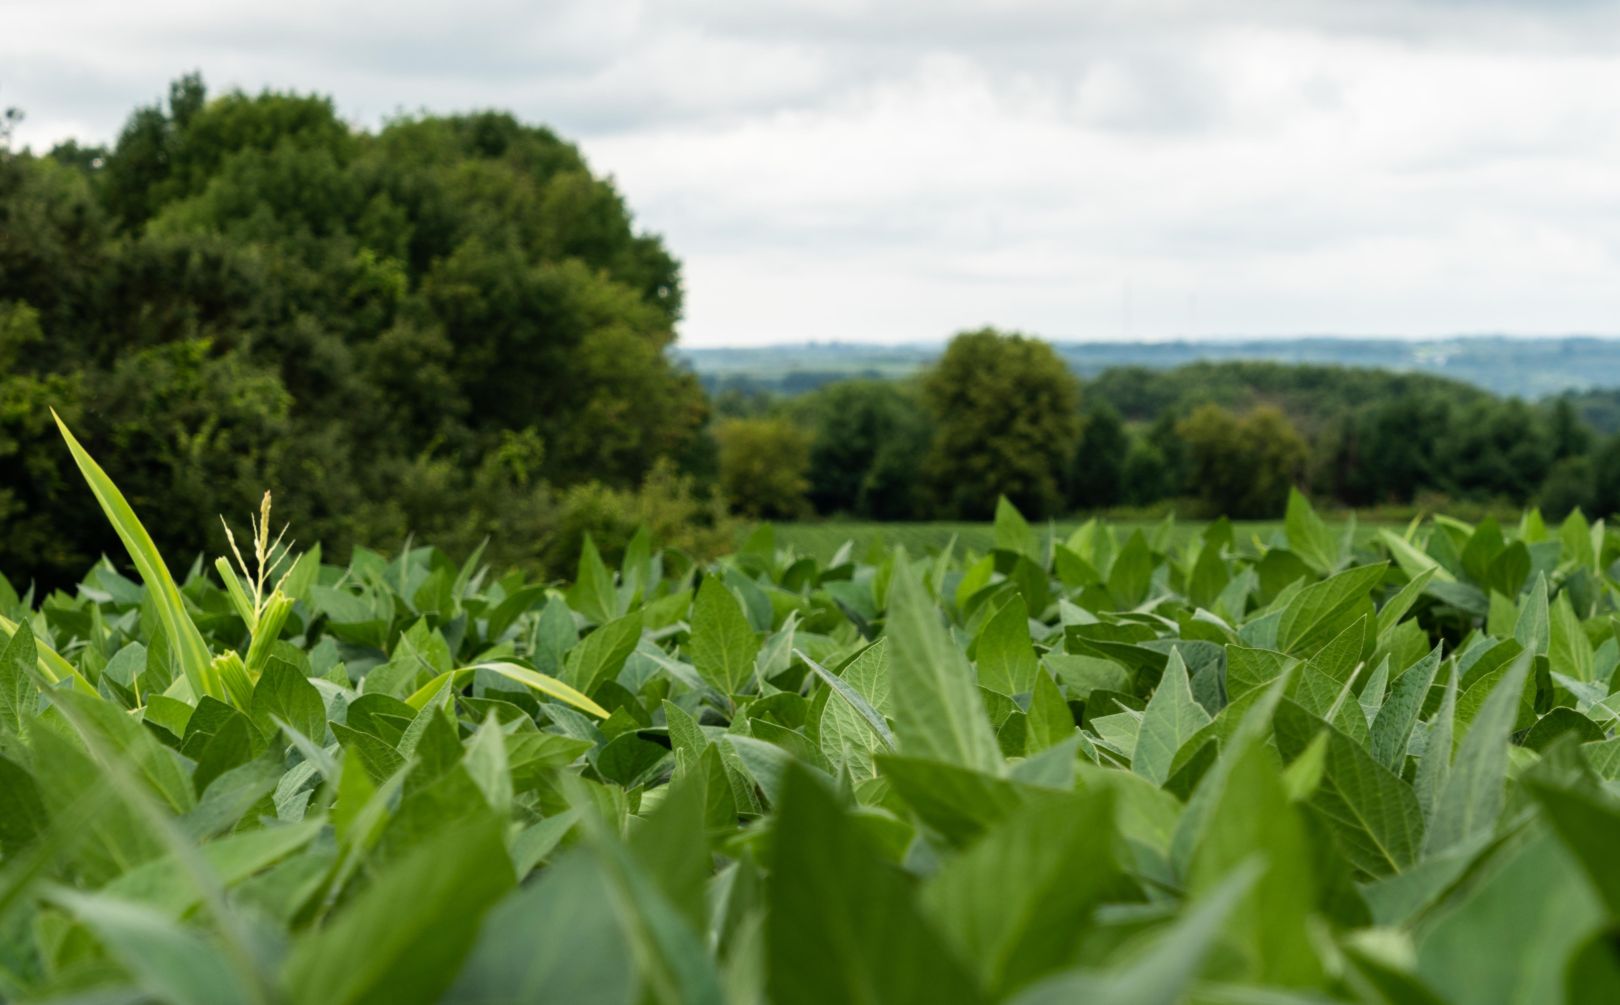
(449, 327)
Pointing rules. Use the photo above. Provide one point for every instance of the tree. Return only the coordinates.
(1242, 466)
(764, 466)
(256, 294)
(1006, 422)
(866, 455)
(1097, 474)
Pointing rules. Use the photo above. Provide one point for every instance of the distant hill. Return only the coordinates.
(1521, 367)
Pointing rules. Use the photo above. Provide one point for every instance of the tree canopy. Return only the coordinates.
(245, 290)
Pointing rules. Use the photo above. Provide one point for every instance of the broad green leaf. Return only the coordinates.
(1171, 717)
(1012, 531)
(942, 717)
(1011, 933)
(1533, 630)
(284, 692)
(601, 654)
(593, 593)
(843, 925)
(723, 644)
(1374, 814)
(1005, 655)
(1507, 940)
(1472, 797)
(557, 939)
(1393, 725)
(1308, 535)
(1161, 972)
(403, 938)
(1251, 817)
(170, 961)
(1322, 610)
(1587, 823)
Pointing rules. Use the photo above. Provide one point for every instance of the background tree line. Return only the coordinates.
(450, 327)
(1002, 412)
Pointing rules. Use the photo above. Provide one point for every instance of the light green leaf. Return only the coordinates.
(1172, 716)
(942, 717)
(723, 645)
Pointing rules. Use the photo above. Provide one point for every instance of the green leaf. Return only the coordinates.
(1132, 572)
(1373, 812)
(1569, 650)
(18, 697)
(942, 717)
(842, 924)
(1472, 797)
(1252, 817)
(1172, 717)
(1323, 610)
(1308, 535)
(1393, 725)
(723, 645)
(1012, 531)
(958, 802)
(1434, 768)
(1587, 823)
(284, 692)
(1507, 939)
(593, 593)
(1161, 972)
(1060, 853)
(601, 654)
(844, 687)
(556, 940)
(403, 938)
(1533, 628)
(1005, 654)
(185, 640)
(171, 962)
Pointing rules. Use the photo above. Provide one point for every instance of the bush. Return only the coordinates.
(764, 467)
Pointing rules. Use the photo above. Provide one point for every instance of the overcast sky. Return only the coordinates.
(897, 171)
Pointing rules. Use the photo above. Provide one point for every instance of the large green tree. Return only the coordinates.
(247, 292)
(1006, 414)
(1242, 466)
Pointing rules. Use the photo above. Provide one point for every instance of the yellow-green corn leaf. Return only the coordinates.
(189, 648)
(544, 683)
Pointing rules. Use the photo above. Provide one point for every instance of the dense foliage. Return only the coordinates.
(436, 327)
(1210, 438)
(1096, 768)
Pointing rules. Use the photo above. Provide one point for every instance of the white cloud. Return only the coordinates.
(892, 171)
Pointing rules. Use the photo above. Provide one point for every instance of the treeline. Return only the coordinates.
(1002, 413)
(450, 327)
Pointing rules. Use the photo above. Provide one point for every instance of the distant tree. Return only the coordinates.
(1568, 432)
(1605, 500)
(1006, 422)
(764, 467)
(1097, 473)
(1495, 450)
(1570, 484)
(866, 457)
(1242, 466)
(1147, 476)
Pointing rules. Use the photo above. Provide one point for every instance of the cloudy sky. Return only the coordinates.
(896, 171)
